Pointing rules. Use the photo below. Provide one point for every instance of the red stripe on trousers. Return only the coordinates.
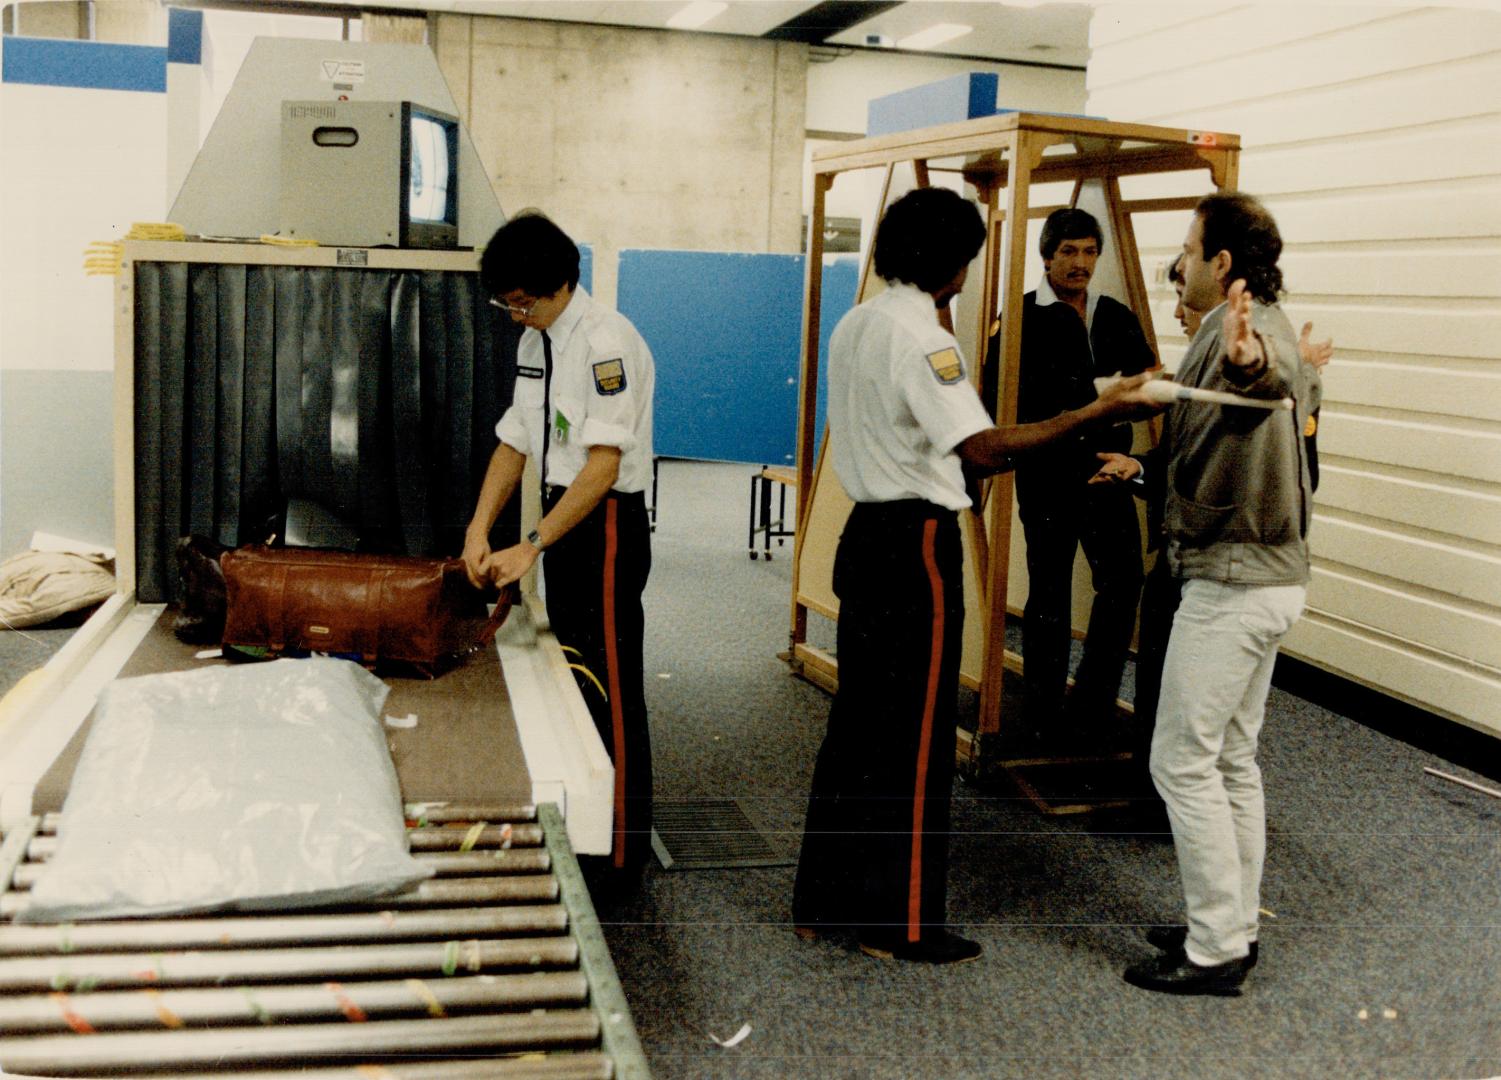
(925, 737)
(612, 669)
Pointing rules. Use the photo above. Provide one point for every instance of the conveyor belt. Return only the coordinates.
(494, 967)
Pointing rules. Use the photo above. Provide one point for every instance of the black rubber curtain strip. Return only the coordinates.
(372, 393)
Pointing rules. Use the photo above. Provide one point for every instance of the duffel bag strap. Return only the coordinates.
(508, 596)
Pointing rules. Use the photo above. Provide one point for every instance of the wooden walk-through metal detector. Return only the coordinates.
(1001, 158)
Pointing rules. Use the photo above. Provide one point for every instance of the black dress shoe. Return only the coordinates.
(1170, 940)
(1142, 819)
(817, 931)
(940, 947)
(1169, 974)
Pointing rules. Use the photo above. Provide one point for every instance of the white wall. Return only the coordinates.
(80, 165)
(634, 137)
(1374, 136)
(840, 90)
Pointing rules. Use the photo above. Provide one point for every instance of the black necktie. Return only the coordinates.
(546, 409)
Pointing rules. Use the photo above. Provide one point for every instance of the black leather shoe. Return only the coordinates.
(817, 931)
(1143, 820)
(1170, 940)
(941, 947)
(1169, 974)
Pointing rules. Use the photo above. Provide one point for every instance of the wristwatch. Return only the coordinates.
(534, 538)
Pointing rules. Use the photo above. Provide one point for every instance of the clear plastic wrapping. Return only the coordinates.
(244, 788)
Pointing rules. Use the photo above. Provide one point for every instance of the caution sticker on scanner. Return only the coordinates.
(343, 71)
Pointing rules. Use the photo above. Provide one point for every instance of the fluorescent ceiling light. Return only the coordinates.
(696, 14)
(933, 35)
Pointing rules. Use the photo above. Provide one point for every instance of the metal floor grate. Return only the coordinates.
(704, 834)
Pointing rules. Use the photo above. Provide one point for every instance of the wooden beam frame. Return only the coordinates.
(1009, 154)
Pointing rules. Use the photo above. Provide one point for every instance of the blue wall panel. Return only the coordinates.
(959, 97)
(586, 267)
(184, 36)
(91, 65)
(724, 331)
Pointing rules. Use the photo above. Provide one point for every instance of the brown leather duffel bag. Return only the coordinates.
(370, 608)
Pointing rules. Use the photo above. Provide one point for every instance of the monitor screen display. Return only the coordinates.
(431, 170)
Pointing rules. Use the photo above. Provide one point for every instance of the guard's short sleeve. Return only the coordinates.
(933, 381)
(511, 431)
(617, 390)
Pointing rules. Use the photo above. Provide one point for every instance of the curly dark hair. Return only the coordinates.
(1239, 224)
(927, 236)
(529, 253)
(1068, 223)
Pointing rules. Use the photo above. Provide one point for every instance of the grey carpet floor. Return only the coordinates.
(1381, 958)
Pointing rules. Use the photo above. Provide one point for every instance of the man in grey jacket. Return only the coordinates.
(1238, 507)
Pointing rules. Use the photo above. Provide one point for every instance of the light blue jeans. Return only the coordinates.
(1214, 686)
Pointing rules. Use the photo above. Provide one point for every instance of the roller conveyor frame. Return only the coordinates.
(520, 989)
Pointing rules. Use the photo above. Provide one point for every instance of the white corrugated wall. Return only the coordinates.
(1374, 136)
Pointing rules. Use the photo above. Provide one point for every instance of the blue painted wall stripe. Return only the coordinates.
(184, 36)
(90, 65)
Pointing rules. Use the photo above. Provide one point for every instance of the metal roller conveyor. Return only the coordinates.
(461, 841)
(440, 813)
(441, 892)
(70, 938)
(574, 1065)
(102, 971)
(501, 974)
(420, 815)
(69, 1055)
(445, 863)
(484, 836)
(500, 861)
(103, 1010)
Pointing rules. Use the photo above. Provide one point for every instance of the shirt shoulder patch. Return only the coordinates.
(946, 365)
(609, 376)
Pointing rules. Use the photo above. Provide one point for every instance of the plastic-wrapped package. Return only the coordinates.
(244, 788)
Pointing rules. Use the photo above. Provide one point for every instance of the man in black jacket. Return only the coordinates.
(1070, 337)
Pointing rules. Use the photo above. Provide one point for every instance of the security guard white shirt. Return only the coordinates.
(900, 400)
(602, 384)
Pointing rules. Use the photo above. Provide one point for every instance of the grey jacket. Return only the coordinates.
(1239, 497)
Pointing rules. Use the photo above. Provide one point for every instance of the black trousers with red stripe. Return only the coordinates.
(595, 575)
(875, 846)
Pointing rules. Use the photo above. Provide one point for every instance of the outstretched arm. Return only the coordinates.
(1244, 350)
(991, 450)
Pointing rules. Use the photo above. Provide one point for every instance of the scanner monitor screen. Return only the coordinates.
(431, 168)
(430, 179)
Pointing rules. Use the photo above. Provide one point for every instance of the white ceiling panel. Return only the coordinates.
(1048, 34)
(745, 17)
(1052, 33)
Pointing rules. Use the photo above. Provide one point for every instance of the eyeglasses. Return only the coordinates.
(512, 309)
